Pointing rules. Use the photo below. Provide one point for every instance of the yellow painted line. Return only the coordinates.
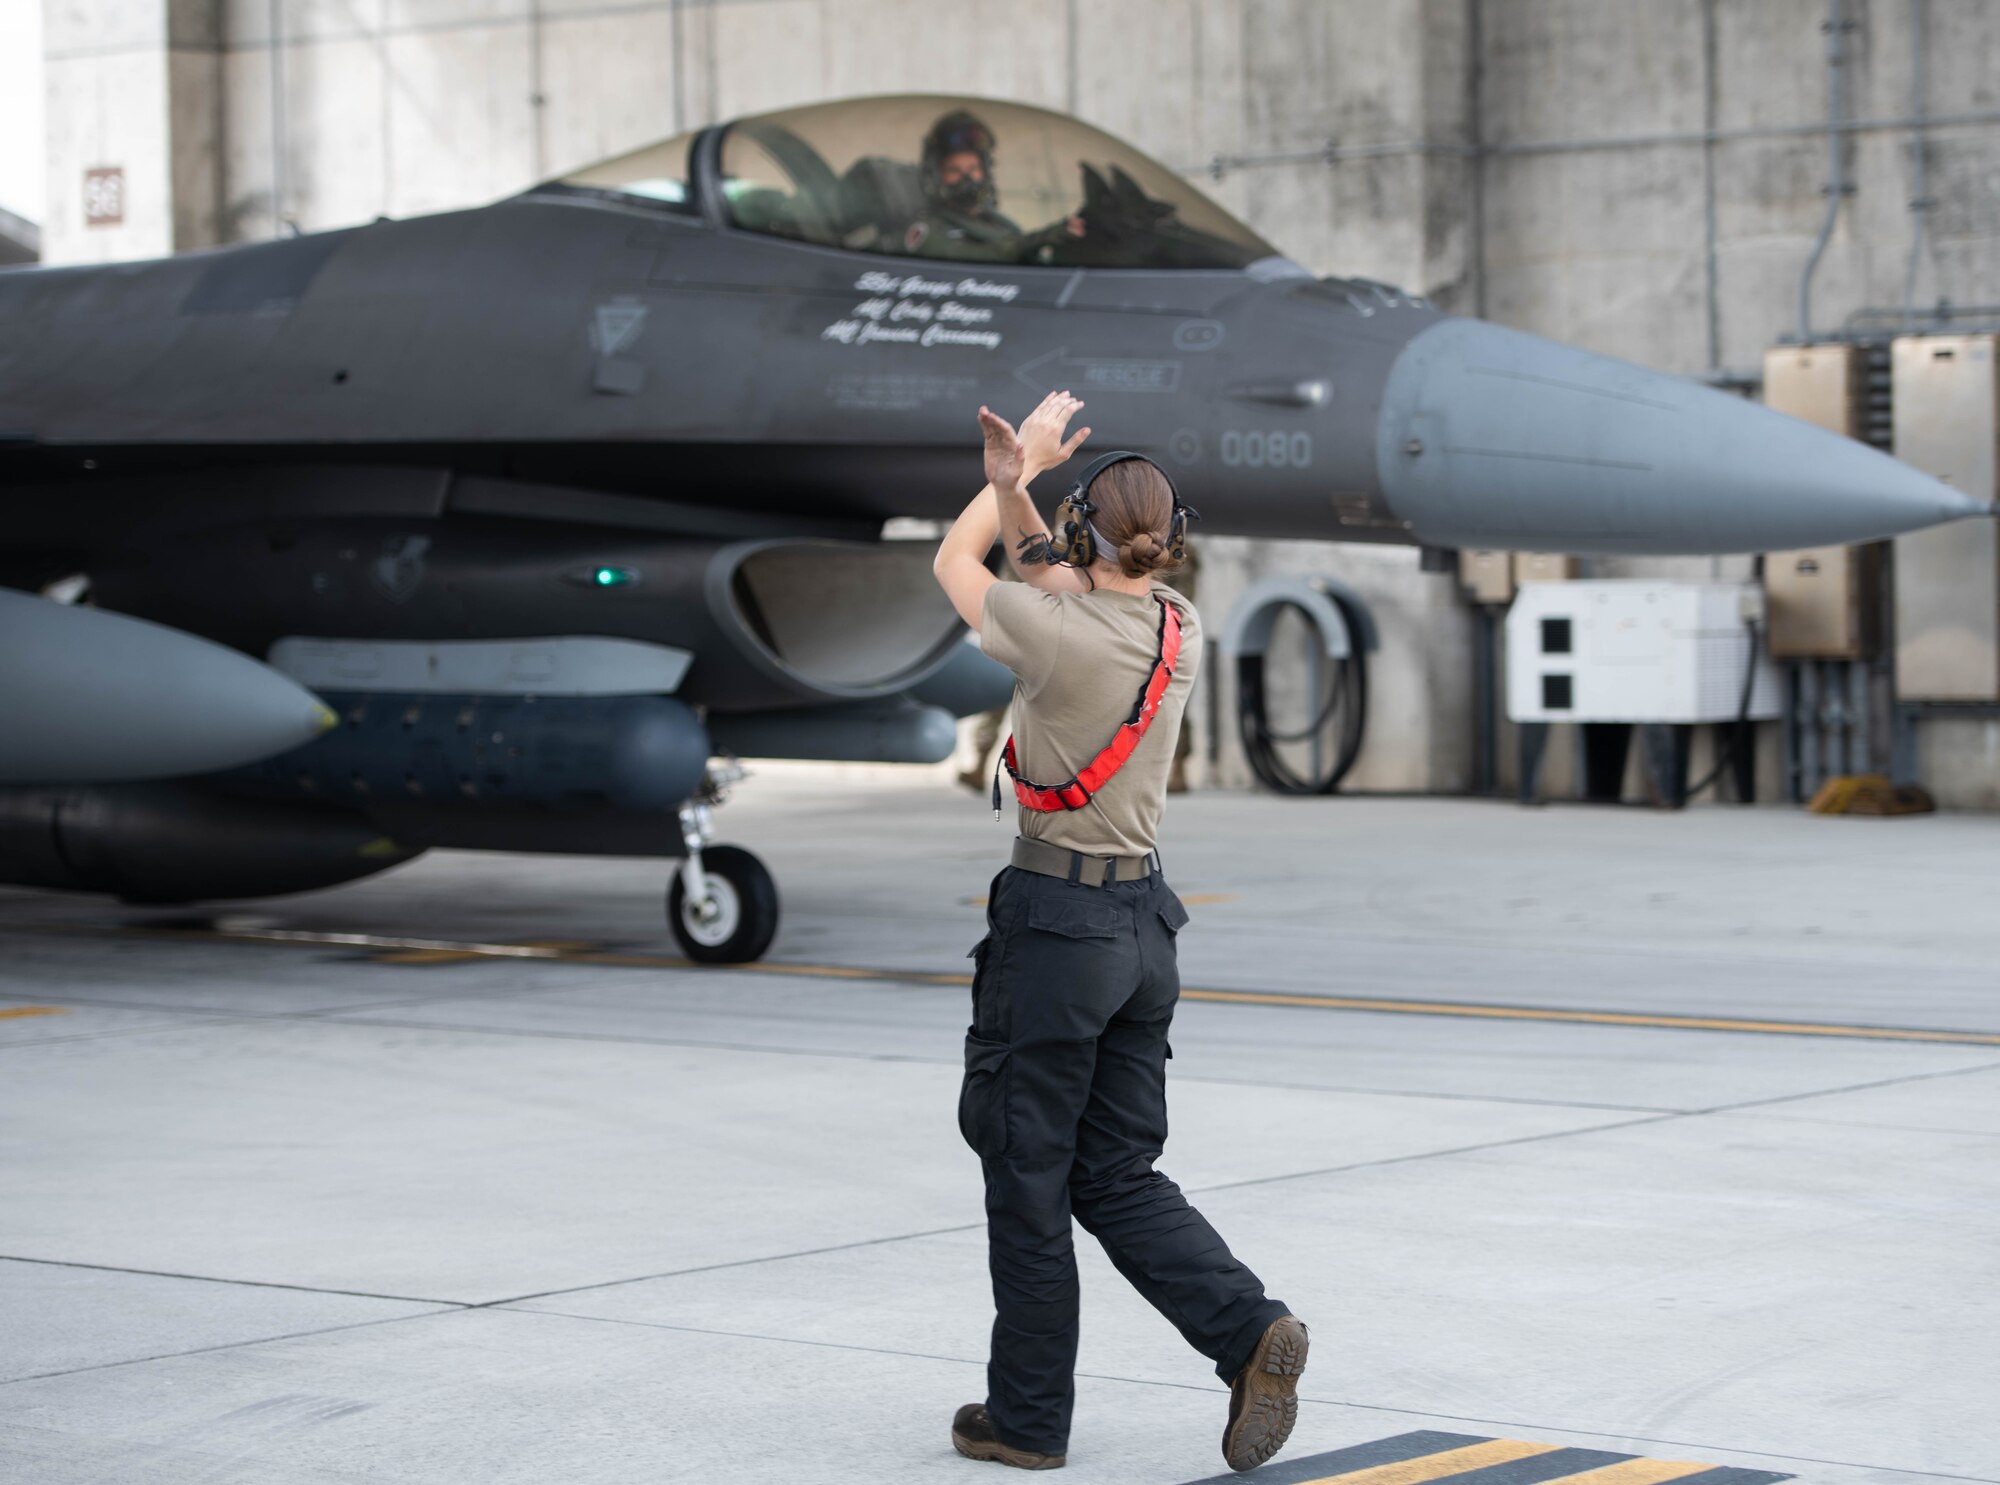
(1437, 1466)
(470, 954)
(398, 949)
(1634, 1472)
(428, 956)
(35, 1010)
(1592, 1018)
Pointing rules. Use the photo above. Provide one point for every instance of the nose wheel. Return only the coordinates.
(736, 917)
(722, 904)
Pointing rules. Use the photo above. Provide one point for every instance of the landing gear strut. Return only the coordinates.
(722, 903)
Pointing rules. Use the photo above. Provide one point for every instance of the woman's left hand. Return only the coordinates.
(1005, 459)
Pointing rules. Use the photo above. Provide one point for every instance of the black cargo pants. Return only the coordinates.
(1064, 1101)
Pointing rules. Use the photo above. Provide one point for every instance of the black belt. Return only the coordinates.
(1075, 867)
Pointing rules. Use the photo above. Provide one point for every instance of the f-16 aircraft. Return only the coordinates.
(550, 508)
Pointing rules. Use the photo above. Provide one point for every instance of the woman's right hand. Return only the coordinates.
(1042, 444)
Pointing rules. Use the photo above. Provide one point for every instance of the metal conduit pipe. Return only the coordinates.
(1836, 160)
(1332, 152)
(1938, 314)
(1920, 195)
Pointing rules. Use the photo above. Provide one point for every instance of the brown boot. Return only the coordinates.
(972, 1435)
(1264, 1401)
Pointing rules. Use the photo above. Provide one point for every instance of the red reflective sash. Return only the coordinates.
(1075, 794)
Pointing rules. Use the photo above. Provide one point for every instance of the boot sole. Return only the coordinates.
(998, 1453)
(1262, 1422)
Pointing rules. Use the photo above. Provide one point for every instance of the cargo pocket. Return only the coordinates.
(982, 1100)
(989, 1007)
(1074, 919)
(1172, 913)
(977, 954)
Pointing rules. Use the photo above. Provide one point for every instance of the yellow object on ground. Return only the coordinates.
(1869, 794)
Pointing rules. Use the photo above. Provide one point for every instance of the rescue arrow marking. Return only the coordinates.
(1058, 368)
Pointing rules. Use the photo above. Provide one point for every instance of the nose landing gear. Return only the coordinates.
(722, 904)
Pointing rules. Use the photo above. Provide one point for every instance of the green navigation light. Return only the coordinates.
(613, 577)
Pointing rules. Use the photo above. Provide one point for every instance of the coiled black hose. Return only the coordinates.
(1346, 705)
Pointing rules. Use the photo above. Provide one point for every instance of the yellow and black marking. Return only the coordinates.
(398, 949)
(1188, 899)
(1465, 1459)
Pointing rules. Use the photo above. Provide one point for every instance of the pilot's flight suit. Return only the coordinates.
(1074, 986)
(958, 236)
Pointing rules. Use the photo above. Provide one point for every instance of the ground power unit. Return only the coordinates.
(1640, 658)
(1637, 650)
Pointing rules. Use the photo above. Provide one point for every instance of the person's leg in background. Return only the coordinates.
(985, 733)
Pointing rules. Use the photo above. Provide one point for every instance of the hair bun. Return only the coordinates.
(1141, 555)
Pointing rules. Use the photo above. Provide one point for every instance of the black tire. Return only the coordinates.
(744, 879)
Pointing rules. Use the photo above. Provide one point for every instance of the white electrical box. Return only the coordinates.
(1635, 650)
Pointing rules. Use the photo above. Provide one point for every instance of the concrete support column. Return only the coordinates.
(134, 100)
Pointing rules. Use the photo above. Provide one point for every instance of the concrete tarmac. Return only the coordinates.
(454, 1175)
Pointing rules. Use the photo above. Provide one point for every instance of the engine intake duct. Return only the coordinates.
(835, 621)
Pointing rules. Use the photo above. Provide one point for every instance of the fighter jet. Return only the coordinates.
(557, 505)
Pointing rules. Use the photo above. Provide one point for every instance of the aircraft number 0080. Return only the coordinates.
(1257, 449)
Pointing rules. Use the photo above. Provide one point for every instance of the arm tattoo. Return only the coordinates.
(1034, 549)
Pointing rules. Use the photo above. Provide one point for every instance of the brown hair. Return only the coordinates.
(1135, 509)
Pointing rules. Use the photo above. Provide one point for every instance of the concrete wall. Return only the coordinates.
(1641, 177)
(132, 86)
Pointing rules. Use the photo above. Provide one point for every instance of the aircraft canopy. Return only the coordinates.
(936, 177)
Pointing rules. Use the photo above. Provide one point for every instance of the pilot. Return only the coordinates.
(1074, 986)
(961, 218)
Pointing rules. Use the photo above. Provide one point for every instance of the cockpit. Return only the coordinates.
(934, 177)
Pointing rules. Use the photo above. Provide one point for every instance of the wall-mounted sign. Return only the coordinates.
(104, 196)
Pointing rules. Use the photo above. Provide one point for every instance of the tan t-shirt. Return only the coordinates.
(1079, 660)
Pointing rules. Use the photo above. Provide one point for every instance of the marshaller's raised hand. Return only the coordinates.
(1042, 443)
(1005, 459)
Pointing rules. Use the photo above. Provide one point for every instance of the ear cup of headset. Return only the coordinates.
(1076, 547)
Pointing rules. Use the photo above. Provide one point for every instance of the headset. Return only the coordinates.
(1075, 543)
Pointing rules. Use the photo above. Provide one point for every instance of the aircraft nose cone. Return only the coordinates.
(1493, 438)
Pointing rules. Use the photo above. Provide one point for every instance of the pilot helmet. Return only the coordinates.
(959, 133)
